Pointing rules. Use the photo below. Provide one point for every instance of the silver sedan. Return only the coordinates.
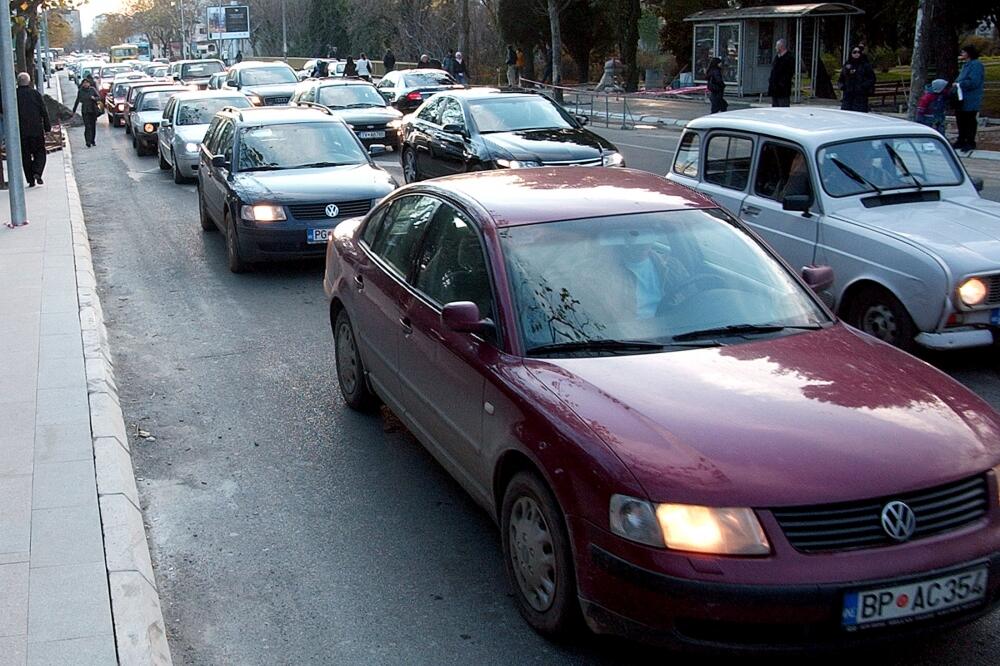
(185, 121)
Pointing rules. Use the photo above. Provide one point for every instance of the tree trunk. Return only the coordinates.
(463, 37)
(943, 41)
(918, 64)
(553, 11)
(630, 43)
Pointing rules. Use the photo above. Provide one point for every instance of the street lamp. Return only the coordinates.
(284, 32)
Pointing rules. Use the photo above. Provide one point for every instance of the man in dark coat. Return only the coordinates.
(779, 86)
(87, 98)
(33, 120)
(857, 81)
(389, 60)
(716, 84)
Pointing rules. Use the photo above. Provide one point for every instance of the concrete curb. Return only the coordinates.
(140, 633)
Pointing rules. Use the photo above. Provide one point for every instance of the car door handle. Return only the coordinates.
(404, 322)
(751, 210)
(359, 282)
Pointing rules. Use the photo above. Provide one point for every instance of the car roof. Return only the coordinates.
(485, 92)
(530, 196)
(196, 60)
(163, 89)
(206, 94)
(422, 70)
(257, 115)
(339, 81)
(250, 64)
(811, 127)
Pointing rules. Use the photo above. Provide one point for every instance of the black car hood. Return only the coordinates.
(270, 89)
(342, 183)
(369, 116)
(547, 145)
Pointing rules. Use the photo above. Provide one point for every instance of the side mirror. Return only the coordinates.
(219, 161)
(462, 317)
(818, 277)
(165, 122)
(176, 77)
(583, 120)
(978, 183)
(797, 202)
(376, 149)
(453, 129)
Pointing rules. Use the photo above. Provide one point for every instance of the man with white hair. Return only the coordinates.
(33, 120)
(779, 85)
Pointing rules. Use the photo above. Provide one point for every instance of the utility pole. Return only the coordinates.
(12, 132)
(180, 5)
(45, 45)
(39, 65)
(284, 32)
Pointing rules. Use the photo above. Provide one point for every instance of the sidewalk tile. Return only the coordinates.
(15, 514)
(12, 323)
(21, 301)
(20, 376)
(62, 372)
(55, 443)
(13, 650)
(68, 602)
(67, 535)
(10, 558)
(90, 651)
(59, 301)
(18, 418)
(59, 323)
(13, 599)
(63, 484)
(58, 406)
(16, 455)
(65, 345)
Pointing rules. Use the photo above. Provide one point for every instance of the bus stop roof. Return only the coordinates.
(816, 9)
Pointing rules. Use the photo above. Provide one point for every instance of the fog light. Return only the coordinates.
(973, 292)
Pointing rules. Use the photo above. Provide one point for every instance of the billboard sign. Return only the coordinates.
(229, 22)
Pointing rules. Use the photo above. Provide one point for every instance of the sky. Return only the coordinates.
(91, 8)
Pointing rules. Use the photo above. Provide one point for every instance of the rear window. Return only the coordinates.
(197, 70)
(420, 79)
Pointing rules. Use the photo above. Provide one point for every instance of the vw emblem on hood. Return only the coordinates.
(332, 210)
(898, 520)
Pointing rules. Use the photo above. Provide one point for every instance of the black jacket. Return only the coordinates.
(715, 84)
(782, 72)
(389, 61)
(857, 80)
(32, 117)
(511, 57)
(87, 99)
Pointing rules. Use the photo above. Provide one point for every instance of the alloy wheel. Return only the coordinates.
(409, 166)
(532, 553)
(880, 321)
(347, 358)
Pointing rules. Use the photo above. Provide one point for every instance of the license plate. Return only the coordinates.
(901, 603)
(372, 135)
(318, 235)
(995, 316)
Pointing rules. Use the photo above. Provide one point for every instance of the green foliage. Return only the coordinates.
(985, 45)
(523, 22)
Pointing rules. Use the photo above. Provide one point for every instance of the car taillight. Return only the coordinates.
(121, 107)
(414, 97)
(105, 86)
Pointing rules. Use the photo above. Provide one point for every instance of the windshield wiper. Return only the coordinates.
(898, 161)
(362, 105)
(263, 167)
(855, 176)
(317, 165)
(597, 345)
(741, 329)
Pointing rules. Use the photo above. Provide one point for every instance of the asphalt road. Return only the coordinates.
(286, 529)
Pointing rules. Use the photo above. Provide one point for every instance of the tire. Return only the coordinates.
(206, 222)
(233, 256)
(350, 370)
(538, 556)
(163, 163)
(878, 313)
(135, 145)
(128, 127)
(408, 159)
(178, 176)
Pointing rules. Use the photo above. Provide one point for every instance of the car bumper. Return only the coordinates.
(147, 140)
(957, 339)
(187, 164)
(713, 604)
(286, 240)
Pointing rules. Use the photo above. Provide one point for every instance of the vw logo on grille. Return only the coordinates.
(898, 520)
(332, 210)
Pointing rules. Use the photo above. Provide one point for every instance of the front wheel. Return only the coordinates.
(163, 163)
(206, 222)
(178, 176)
(235, 260)
(538, 557)
(877, 312)
(350, 370)
(409, 159)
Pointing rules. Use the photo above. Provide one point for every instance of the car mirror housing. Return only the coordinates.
(978, 183)
(219, 161)
(165, 122)
(453, 128)
(818, 278)
(583, 120)
(462, 317)
(797, 202)
(376, 149)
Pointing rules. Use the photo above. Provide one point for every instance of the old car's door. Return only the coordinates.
(726, 169)
(783, 173)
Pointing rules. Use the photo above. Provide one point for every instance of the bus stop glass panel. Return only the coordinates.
(729, 51)
(704, 49)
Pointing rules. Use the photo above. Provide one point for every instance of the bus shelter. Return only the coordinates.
(744, 39)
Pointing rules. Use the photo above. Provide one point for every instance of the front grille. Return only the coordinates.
(993, 295)
(276, 101)
(586, 163)
(317, 211)
(850, 525)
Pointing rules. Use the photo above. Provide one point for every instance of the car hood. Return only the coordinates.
(148, 117)
(371, 116)
(962, 230)
(547, 145)
(817, 417)
(342, 183)
(270, 89)
(193, 133)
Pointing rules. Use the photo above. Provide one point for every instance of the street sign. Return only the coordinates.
(230, 22)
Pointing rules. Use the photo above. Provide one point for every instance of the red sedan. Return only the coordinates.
(679, 442)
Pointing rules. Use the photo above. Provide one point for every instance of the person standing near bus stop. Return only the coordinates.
(779, 85)
(87, 99)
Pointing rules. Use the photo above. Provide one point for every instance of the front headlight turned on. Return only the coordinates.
(149, 128)
(690, 528)
(394, 124)
(612, 160)
(191, 147)
(973, 292)
(255, 100)
(263, 213)
(518, 164)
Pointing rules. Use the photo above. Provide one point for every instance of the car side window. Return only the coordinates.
(451, 113)
(432, 112)
(451, 265)
(781, 171)
(398, 237)
(688, 155)
(372, 226)
(168, 111)
(388, 81)
(210, 134)
(231, 78)
(226, 140)
(727, 161)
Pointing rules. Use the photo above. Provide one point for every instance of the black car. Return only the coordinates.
(358, 103)
(195, 73)
(277, 181)
(264, 83)
(406, 89)
(486, 128)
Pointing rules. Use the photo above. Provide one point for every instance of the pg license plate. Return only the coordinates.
(372, 135)
(901, 603)
(318, 235)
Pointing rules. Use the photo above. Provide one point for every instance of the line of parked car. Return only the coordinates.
(649, 383)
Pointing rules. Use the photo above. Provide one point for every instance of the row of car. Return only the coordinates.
(563, 337)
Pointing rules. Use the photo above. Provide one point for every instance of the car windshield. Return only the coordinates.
(348, 97)
(298, 146)
(157, 71)
(110, 72)
(201, 111)
(886, 163)
(264, 75)
(510, 114)
(652, 279)
(200, 70)
(155, 100)
(421, 79)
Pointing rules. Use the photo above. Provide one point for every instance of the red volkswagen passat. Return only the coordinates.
(679, 441)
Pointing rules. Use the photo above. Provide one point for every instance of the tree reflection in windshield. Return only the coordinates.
(291, 145)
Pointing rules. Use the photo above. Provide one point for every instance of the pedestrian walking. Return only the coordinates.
(239, 57)
(520, 62)
(33, 120)
(779, 85)
(511, 63)
(969, 91)
(350, 69)
(364, 67)
(389, 61)
(716, 86)
(448, 64)
(547, 68)
(88, 99)
(857, 81)
(459, 68)
(933, 105)
(424, 62)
